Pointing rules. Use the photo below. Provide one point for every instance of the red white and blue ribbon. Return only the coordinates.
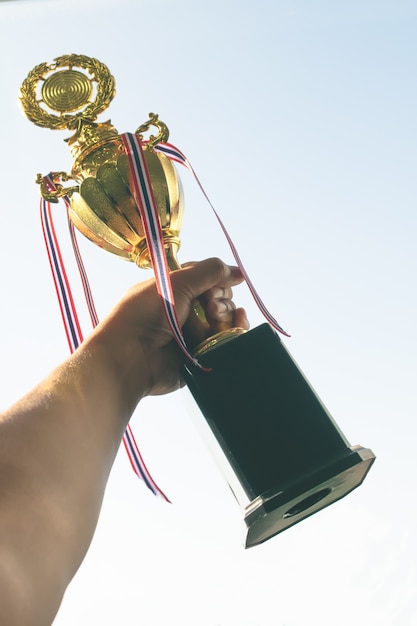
(141, 189)
(174, 154)
(70, 317)
(59, 275)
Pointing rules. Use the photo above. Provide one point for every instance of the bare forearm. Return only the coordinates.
(57, 446)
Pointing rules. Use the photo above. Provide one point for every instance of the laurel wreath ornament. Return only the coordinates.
(98, 73)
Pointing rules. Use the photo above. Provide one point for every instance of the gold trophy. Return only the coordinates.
(282, 453)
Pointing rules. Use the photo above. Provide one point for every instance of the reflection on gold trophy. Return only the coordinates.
(58, 96)
(283, 455)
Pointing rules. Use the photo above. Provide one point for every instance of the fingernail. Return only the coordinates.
(235, 271)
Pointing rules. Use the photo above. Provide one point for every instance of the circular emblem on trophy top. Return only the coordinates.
(73, 86)
(66, 91)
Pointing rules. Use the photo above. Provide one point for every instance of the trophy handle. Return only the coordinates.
(163, 132)
(60, 191)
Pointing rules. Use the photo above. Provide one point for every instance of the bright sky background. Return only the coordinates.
(300, 119)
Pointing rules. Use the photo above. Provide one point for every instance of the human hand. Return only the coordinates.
(139, 339)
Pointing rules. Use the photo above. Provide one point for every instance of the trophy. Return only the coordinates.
(281, 452)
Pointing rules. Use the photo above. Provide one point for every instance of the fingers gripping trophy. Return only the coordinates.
(282, 453)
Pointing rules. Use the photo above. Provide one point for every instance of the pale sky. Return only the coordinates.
(300, 120)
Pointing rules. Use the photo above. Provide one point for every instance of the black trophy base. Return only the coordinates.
(286, 458)
(268, 516)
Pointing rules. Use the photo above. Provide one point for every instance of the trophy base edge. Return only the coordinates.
(268, 516)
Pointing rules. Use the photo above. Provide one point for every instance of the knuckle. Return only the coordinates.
(218, 265)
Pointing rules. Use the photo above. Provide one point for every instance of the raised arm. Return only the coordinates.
(58, 444)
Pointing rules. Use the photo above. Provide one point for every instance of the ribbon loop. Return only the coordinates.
(174, 154)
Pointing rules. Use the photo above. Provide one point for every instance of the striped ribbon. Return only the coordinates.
(70, 317)
(174, 154)
(59, 275)
(141, 189)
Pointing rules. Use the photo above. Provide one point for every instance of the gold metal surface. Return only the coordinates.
(47, 87)
(163, 132)
(68, 90)
(70, 93)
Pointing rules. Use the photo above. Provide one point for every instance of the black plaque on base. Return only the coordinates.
(286, 457)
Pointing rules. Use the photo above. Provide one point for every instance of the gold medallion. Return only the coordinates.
(68, 90)
(74, 86)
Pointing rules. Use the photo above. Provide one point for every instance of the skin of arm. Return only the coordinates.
(58, 443)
